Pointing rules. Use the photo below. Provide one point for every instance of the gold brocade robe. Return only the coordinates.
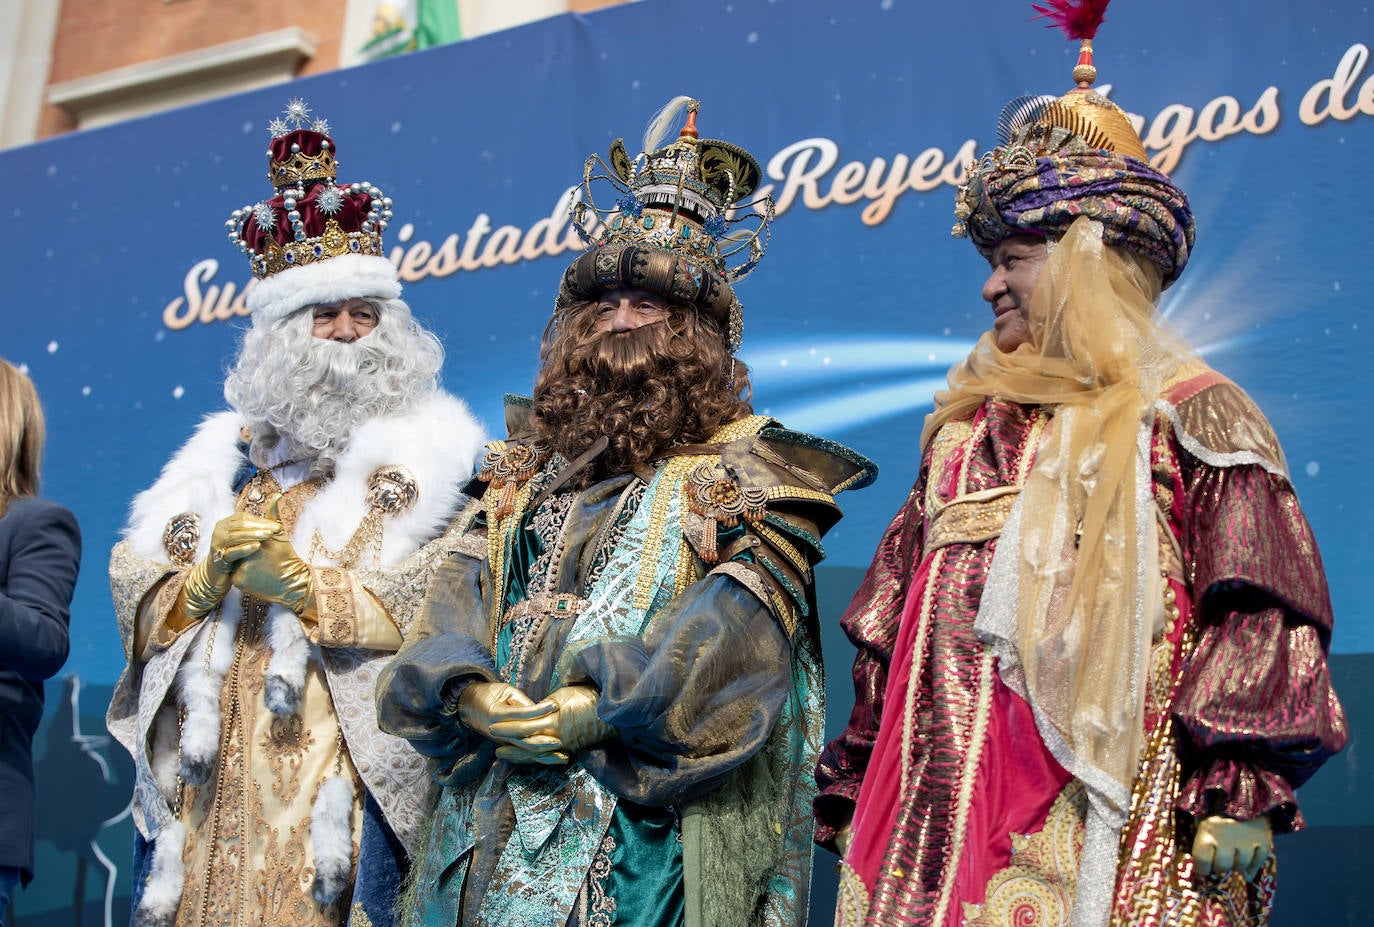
(196, 697)
(248, 854)
(958, 814)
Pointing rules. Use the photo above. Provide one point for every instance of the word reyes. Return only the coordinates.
(810, 173)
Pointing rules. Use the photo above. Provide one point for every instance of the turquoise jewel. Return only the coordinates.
(648, 222)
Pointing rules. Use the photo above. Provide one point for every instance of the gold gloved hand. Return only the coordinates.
(275, 572)
(842, 839)
(579, 725)
(234, 538)
(483, 704)
(530, 735)
(1225, 845)
(552, 730)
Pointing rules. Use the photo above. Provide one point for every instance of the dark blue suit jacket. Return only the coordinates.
(40, 551)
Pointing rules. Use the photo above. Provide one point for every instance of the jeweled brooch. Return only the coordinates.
(180, 538)
(717, 497)
(507, 469)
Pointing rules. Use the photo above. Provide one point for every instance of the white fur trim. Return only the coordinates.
(331, 838)
(344, 277)
(198, 687)
(166, 876)
(286, 670)
(164, 753)
(199, 478)
(438, 443)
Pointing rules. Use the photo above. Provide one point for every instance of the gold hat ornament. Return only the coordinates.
(1083, 111)
(683, 225)
(1061, 157)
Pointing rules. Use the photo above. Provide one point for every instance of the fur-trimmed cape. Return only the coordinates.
(438, 442)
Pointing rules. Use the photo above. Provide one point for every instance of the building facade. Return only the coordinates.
(67, 65)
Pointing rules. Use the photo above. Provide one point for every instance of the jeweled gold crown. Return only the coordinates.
(308, 155)
(690, 197)
(310, 218)
(683, 225)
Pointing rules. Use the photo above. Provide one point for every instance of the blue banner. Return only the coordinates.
(126, 298)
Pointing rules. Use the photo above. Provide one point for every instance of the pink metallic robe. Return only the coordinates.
(986, 820)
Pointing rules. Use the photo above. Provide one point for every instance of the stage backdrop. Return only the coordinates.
(124, 298)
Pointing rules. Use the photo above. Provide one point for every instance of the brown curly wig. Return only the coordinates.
(645, 390)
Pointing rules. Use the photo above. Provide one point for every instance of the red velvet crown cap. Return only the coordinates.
(307, 144)
(352, 211)
(309, 218)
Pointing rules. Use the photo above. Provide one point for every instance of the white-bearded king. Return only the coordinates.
(274, 568)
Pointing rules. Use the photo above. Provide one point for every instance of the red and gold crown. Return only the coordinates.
(311, 217)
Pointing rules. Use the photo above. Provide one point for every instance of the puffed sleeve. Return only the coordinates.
(418, 691)
(789, 481)
(700, 692)
(871, 624)
(35, 605)
(692, 699)
(1255, 703)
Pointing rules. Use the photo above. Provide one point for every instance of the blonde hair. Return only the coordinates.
(21, 435)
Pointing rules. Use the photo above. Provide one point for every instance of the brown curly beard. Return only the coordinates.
(646, 390)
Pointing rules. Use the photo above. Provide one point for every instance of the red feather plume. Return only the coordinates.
(1078, 20)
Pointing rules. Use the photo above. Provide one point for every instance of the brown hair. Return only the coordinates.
(21, 435)
(672, 382)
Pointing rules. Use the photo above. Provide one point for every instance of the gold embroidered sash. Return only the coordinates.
(970, 518)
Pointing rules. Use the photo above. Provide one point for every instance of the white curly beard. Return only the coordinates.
(311, 392)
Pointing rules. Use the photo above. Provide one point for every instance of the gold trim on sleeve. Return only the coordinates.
(785, 547)
(338, 619)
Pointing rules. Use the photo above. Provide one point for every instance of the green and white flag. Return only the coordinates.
(406, 25)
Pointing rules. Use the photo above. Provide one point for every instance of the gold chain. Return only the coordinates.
(367, 538)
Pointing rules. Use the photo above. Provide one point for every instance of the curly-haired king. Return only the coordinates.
(624, 646)
(644, 389)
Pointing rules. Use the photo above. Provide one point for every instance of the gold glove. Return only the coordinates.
(1224, 845)
(483, 704)
(530, 735)
(842, 838)
(233, 539)
(579, 725)
(553, 729)
(274, 572)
